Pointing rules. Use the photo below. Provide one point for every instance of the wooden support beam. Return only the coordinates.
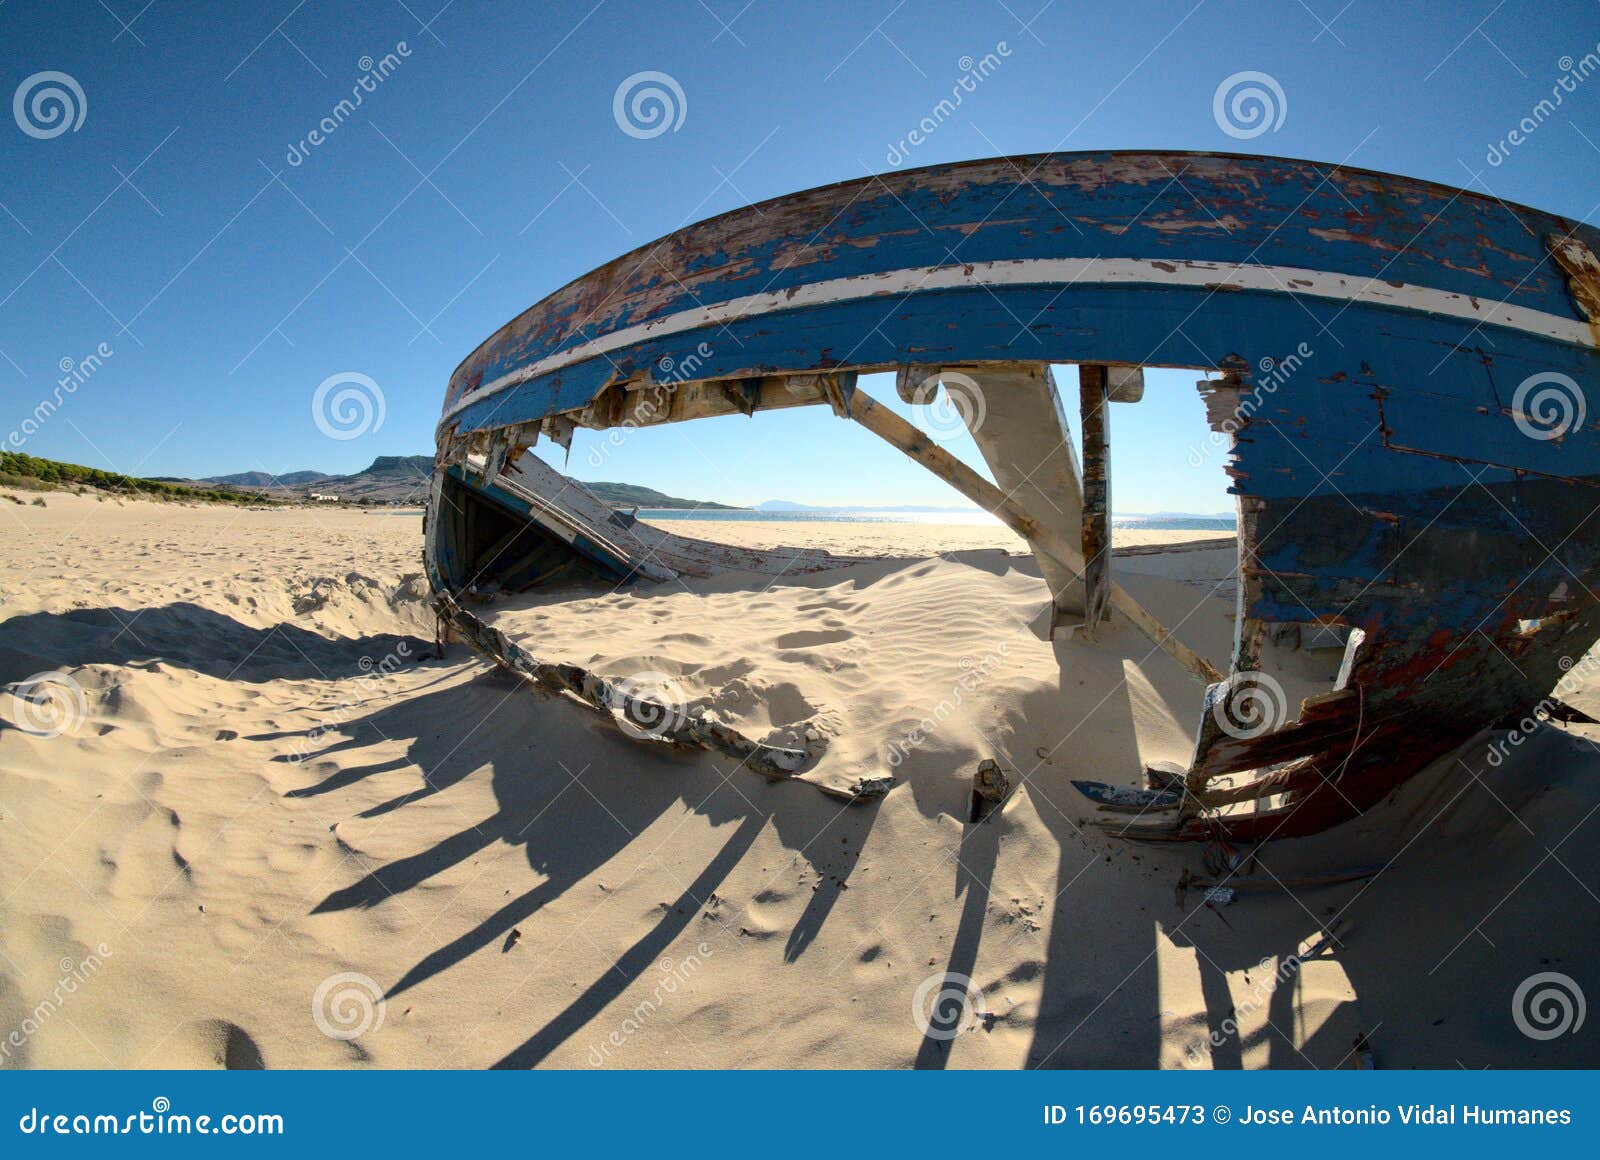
(1096, 417)
(894, 430)
(1016, 418)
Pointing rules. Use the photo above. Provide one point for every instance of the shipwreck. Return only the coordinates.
(1401, 378)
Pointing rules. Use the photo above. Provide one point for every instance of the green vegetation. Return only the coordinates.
(390, 477)
(33, 474)
(632, 495)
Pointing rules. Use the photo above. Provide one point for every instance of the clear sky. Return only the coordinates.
(229, 279)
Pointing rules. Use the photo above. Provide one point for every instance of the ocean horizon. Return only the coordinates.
(967, 517)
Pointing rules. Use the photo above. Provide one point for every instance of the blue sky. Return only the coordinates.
(487, 169)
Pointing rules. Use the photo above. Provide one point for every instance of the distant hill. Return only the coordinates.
(266, 479)
(632, 495)
(387, 479)
(401, 479)
(409, 465)
(404, 479)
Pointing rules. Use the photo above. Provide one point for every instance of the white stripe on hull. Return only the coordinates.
(1061, 272)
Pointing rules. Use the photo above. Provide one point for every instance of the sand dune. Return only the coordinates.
(279, 832)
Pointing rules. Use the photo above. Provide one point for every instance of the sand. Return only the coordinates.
(279, 832)
(866, 538)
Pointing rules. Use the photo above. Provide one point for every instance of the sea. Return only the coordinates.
(1157, 522)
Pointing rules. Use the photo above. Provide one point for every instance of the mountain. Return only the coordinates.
(404, 479)
(266, 479)
(633, 495)
(399, 479)
(387, 479)
(408, 465)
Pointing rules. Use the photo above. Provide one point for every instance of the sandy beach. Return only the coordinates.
(911, 539)
(267, 826)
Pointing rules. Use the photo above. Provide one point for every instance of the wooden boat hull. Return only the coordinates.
(1408, 402)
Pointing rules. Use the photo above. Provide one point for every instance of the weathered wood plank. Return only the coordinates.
(1094, 412)
(1014, 415)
